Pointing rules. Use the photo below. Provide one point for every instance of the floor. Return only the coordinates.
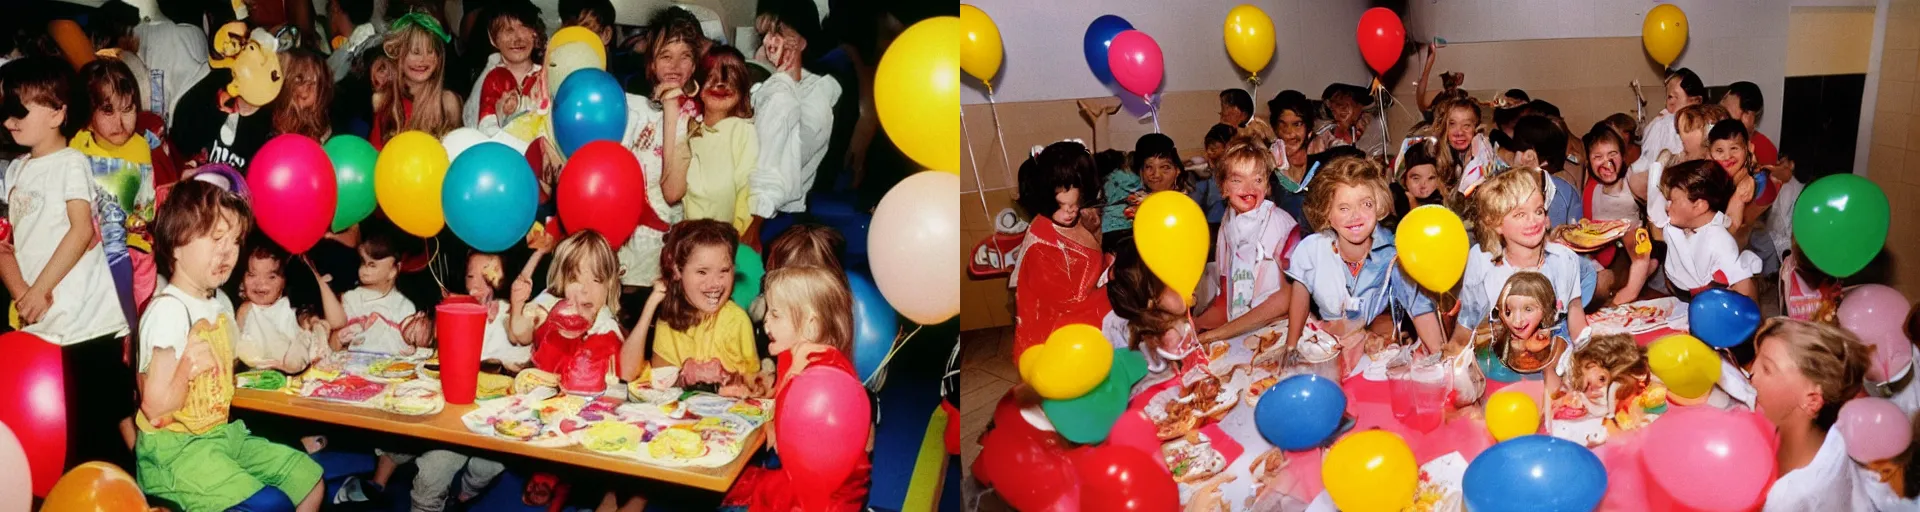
(987, 371)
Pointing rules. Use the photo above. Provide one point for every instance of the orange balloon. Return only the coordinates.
(96, 487)
(73, 42)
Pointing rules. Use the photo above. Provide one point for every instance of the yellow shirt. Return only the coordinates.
(717, 181)
(728, 337)
(209, 395)
(124, 172)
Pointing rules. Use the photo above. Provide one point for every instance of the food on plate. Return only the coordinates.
(351, 388)
(1192, 460)
(612, 437)
(269, 380)
(751, 409)
(1252, 394)
(415, 398)
(534, 378)
(1218, 350)
(522, 429)
(676, 443)
(706, 405)
(643, 392)
(391, 368)
(430, 369)
(1262, 341)
(1635, 317)
(490, 386)
(553, 409)
(1316, 345)
(1590, 235)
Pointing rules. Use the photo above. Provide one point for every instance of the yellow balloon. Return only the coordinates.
(1249, 34)
(1664, 33)
(1074, 360)
(1512, 414)
(577, 34)
(1369, 471)
(917, 91)
(406, 182)
(1171, 233)
(980, 49)
(1685, 364)
(1433, 247)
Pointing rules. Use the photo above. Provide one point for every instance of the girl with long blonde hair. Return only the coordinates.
(417, 97)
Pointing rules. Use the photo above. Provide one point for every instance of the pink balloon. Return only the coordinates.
(1136, 62)
(1875, 429)
(1708, 459)
(294, 194)
(823, 418)
(16, 486)
(1878, 315)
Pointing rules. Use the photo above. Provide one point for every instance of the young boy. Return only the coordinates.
(188, 450)
(379, 318)
(1236, 107)
(55, 270)
(1701, 253)
(1744, 103)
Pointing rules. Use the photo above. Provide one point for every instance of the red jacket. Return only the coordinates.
(1057, 284)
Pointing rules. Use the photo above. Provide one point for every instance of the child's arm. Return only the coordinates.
(633, 352)
(40, 295)
(1745, 287)
(675, 155)
(336, 316)
(1737, 208)
(1297, 310)
(1576, 317)
(1274, 308)
(10, 274)
(1553, 373)
(1427, 327)
(1637, 274)
(519, 324)
(170, 369)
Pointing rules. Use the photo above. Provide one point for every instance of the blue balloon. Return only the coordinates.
(875, 325)
(590, 106)
(1722, 317)
(1535, 473)
(489, 196)
(1301, 412)
(1099, 36)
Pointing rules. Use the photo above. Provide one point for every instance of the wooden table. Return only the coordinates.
(447, 427)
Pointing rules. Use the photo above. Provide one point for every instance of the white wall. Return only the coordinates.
(1727, 41)
(1042, 44)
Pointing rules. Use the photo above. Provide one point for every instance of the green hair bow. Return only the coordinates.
(422, 20)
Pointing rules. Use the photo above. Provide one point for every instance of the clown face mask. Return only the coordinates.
(256, 69)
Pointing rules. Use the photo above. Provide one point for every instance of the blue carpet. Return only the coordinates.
(911, 394)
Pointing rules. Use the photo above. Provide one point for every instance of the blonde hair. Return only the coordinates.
(1828, 356)
(817, 294)
(1347, 172)
(1445, 162)
(1497, 197)
(1702, 116)
(1244, 150)
(581, 253)
(806, 245)
(429, 115)
(1616, 354)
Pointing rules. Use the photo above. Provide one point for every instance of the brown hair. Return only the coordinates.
(107, 79)
(1828, 356)
(1498, 196)
(1532, 285)
(301, 65)
(816, 292)
(1703, 180)
(1445, 161)
(1616, 354)
(44, 81)
(674, 25)
(1348, 172)
(678, 312)
(1134, 292)
(1242, 150)
(807, 245)
(580, 254)
(192, 210)
(1702, 116)
(725, 65)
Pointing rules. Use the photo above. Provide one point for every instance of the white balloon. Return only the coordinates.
(914, 247)
(458, 140)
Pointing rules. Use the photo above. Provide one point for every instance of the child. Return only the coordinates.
(1524, 335)
(1538, 143)
(379, 318)
(1754, 191)
(1058, 281)
(417, 99)
(1624, 127)
(1206, 192)
(54, 269)
(1684, 89)
(1148, 316)
(1701, 253)
(273, 335)
(793, 112)
(807, 245)
(1692, 124)
(1236, 108)
(571, 324)
(1623, 273)
(657, 128)
(810, 323)
(1511, 225)
(304, 106)
(1348, 121)
(1293, 119)
(1121, 183)
(1419, 182)
(700, 329)
(1467, 157)
(123, 166)
(1744, 104)
(725, 147)
(1346, 272)
(513, 81)
(1253, 247)
(189, 451)
(486, 274)
(1600, 378)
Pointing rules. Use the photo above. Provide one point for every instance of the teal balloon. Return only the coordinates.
(353, 159)
(589, 106)
(747, 271)
(1088, 419)
(489, 197)
(1840, 222)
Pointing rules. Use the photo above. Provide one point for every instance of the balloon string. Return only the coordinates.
(890, 353)
(1153, 104)
(993, 250)
(1005, 167)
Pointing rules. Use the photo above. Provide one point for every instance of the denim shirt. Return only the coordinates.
(1483, 279)
(1339, 294)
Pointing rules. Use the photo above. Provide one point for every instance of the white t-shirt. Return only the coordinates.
(1615, 206)
(1661, 135)
(495, 345)
(176, 56)
(1706, 256)
(1483, 279)
(270, 333)
(640, 256)
(170, 318)
(1828, 482)
(793, 120)
(381, 315)
(85, 303)
(1881, 494)
(602, 323)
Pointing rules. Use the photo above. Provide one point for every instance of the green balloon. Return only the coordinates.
(1088, 418)
(747, 271)
(353, 160)
(1840, 223)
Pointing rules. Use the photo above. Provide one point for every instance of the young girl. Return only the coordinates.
(1253, 247)
(1292, 124)
(1600, 378)
(512, 80)
(273, 334)
(657, 135)
(725, 147)
(1512, 229)
(1418, 183)
(1057, 282)
(303, 106)
(1623, 273)
(810, 324)
(1346, 272)
(1524, 333)
(485, 276)
(795, 109)
(1804, 374)
(700, 329)
(1148, 316)
(571, 324)
(122, 164)
(417, 98)
(1467, 157)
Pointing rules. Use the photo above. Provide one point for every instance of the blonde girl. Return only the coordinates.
(699, 330)
(1456, 126)
(1346, 273)
(417, 98)
(1804, 372)
(1510, 221)
(724, 144)
(583, 277)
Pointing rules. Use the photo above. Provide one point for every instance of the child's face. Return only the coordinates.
(1603, 160)
(1214, 150)
(1461, 122)
(1526, 225)
(304, 85)
(1694, 142)
(1732, 154)
(1676, 97)
(1068, 214)
(381, 73)
(482, 271)
(1345, 111)
(707, 277)
(1779, 386)
(420, 62)
(514, 40)
(41, 126)
(207, 261)
(264, 282)
(1353, 214)
(1246, 186)
(588, 291)
(1421, 181)
(1594, 379)
(1685, 212)
(1522, 315)
(378, 273)
(1159, 174)
(113, 122)
(719, 97)
(1231, 115)
(673, 64)
(783, 328)
(1292, 130)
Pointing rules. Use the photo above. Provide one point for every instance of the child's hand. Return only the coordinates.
(522, 290)
(353, 334)
(198, 357)
(659, 293)
(34, 304)
(417, 330)
(507, 104)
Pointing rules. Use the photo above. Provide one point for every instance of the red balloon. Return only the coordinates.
(826, 418)
(1027, 470)
(293, 189)
(1122, 478)
(1381, 38)
(1136, 62)
(603, 189)
(33, 404)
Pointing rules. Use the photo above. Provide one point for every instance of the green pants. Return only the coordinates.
(221, 468)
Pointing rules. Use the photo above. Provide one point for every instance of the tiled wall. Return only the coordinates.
(1893, 161)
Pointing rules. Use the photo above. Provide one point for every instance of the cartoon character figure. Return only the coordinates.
(256, 68)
